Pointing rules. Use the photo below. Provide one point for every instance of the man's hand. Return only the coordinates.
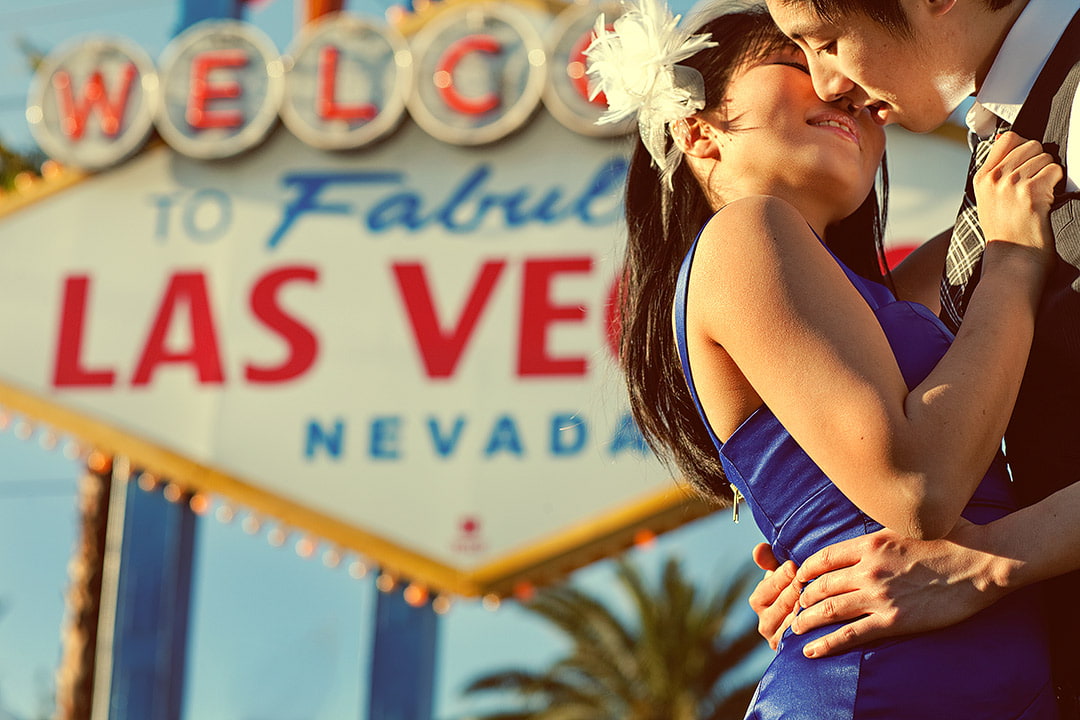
(887, 585)
(775, 598)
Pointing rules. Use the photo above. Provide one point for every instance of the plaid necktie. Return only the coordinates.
(964, 258)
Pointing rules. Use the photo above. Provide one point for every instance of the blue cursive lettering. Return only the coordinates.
(468, 205)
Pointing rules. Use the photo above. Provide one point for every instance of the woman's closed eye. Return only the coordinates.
(797, 65)
(827, 49)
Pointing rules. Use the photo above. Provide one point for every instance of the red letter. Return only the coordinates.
(575, 69)
(94, 95)
(326, 104)
(303, 346)
(203, 92)
(444, 75)
(537, 314)
(190, 289)
(69, 371)
(441, 350)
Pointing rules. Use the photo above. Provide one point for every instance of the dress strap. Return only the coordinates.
(682, 288)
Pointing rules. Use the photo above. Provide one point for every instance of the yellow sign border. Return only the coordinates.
(539, 563)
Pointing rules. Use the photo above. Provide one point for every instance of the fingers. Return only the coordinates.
(846, 637)
(774, 640)
(1013, 156)
(789, 597)
(771, 586)
(1051, 173)
(774, 600)
(834, 557)
(834, 609)
(1033, 166)
(835, 582)
(1005, 144)
(764, 558)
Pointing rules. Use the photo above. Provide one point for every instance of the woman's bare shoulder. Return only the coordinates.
(753, 223)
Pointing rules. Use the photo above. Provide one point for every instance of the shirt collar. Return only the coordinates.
(1022, 57)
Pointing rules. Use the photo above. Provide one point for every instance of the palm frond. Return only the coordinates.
(675, 662)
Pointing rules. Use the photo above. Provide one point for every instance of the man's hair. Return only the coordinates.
(888, 13)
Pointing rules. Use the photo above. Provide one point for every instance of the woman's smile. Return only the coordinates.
(839, 123)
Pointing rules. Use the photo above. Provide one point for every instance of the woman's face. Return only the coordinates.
(777, 137)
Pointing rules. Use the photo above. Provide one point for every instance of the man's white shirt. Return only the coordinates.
(1022, 57)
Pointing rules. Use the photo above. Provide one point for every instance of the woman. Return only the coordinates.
(831, 406)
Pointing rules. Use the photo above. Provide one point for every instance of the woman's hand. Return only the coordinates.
(1014, 190)
(776, 597)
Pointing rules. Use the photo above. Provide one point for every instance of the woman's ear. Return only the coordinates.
(696, 137)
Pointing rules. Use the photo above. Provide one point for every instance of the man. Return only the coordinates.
(913, 62)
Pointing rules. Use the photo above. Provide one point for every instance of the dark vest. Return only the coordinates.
(1043, 439)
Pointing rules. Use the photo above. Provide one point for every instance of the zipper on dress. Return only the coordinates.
(736, 496)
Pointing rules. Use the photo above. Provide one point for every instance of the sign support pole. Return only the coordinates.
(146, 588)
(403, 660)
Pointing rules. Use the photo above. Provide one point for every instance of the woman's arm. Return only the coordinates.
(814, 352)
(888, 585)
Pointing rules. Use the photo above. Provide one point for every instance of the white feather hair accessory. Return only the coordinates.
(636, 66)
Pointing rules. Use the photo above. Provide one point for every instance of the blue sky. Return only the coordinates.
(273, 636)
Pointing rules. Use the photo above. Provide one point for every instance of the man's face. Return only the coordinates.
(907, 80)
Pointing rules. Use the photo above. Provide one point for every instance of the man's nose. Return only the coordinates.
(829, 83)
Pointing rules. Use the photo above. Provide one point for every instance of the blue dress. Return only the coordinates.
(994, 665)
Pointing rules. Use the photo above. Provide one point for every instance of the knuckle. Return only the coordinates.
(876, 574)
(778, 582)
(829, 609)
(827, 555)
(827, 644)
(823, 584)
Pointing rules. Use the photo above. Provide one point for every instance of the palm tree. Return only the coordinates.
(75, 677)
(681, 662)
(13, 162)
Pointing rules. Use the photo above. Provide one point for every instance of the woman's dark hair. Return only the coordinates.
(661, 226)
